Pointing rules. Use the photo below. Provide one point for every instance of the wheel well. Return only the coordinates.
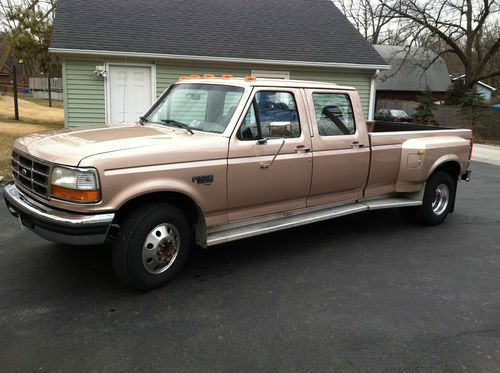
(451, 167)
(185, 203)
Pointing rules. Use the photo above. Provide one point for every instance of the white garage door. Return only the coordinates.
(129, 93)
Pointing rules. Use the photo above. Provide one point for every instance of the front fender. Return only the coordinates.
(190, 179)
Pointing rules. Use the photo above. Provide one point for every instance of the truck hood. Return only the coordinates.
(70, 146)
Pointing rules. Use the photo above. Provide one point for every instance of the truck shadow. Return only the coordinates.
(89, 269)
(336, 236)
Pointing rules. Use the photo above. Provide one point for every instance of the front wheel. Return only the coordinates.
(438, 198)
(152, 245)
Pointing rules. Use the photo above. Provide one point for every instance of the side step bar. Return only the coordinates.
(277, 222)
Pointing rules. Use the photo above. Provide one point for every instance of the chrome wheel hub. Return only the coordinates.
(441, 199)
(160, 248)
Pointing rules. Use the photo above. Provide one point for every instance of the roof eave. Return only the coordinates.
(66, 51)
(478, 82)
(487, 86)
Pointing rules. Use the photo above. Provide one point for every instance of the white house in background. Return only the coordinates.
(482, 88)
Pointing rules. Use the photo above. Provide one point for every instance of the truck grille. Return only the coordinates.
(31, 174)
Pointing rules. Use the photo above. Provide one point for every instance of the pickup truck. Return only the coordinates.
(220, 159)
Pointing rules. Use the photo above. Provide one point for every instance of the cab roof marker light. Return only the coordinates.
(227, 76)
(208, 76)
(195, 76)
(250, 78)
(183, 77)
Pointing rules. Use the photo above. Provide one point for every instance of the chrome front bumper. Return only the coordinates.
(57, 225)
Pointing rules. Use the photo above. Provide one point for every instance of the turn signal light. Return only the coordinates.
(77, 195)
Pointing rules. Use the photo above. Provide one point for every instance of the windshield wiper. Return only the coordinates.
(143, 120)
(178, 124)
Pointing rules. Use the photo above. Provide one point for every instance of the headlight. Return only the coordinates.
(75, 184)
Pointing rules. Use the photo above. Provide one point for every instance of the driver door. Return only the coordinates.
(270, 159)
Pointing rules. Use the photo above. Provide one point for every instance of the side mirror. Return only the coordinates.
(280, 129)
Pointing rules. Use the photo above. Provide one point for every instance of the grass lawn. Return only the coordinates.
(34, 115)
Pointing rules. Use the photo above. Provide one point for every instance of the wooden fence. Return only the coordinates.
(39, 88)
(451, 116)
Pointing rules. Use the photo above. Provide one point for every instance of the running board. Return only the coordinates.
(277, 222)
(387, 203)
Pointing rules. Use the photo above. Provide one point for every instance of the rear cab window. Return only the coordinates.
(334, 114)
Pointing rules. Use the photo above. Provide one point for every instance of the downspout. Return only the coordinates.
(371, 103)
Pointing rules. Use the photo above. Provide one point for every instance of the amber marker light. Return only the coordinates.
(74, 184)
(250, 78)
(209, 76)
(72, 194)
(183, 77)
(227, 76)
(195, 76)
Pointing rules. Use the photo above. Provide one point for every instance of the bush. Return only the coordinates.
(423, 112)
(471, 109)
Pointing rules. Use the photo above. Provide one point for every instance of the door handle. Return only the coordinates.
(356, 145)
(302, 149)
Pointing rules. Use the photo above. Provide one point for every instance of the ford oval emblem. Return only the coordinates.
(24, 172)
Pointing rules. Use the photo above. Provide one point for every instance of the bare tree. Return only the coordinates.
(28, 24)
(457, 27)
(370, 18)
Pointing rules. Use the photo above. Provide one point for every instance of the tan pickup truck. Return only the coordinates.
(220, 159)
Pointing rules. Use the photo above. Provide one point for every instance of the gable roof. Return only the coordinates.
(410, 71)
(299, 32)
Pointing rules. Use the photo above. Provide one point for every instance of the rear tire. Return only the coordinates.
(439, 195)
(152, 246)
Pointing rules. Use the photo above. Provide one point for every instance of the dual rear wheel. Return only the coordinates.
(438, 200)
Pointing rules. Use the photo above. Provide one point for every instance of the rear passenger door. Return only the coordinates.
(270, 162)
(340, 147)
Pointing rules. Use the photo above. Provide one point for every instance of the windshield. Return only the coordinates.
(399, 113)
(202, 107)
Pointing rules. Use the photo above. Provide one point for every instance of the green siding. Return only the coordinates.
(84, 94)
(358, 80)
(167, 74)
(85, 98)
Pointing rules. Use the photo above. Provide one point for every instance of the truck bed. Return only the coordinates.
(382, 126)
(392, 143)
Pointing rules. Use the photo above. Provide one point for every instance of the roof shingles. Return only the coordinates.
(289, 30)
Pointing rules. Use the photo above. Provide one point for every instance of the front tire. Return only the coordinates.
(439, 195)
(152, 246)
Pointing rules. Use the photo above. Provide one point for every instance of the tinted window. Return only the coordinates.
(272, 114)
(334, 114)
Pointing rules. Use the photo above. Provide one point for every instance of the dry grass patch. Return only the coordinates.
(35, 116)
(9, 131)
(31, 111)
